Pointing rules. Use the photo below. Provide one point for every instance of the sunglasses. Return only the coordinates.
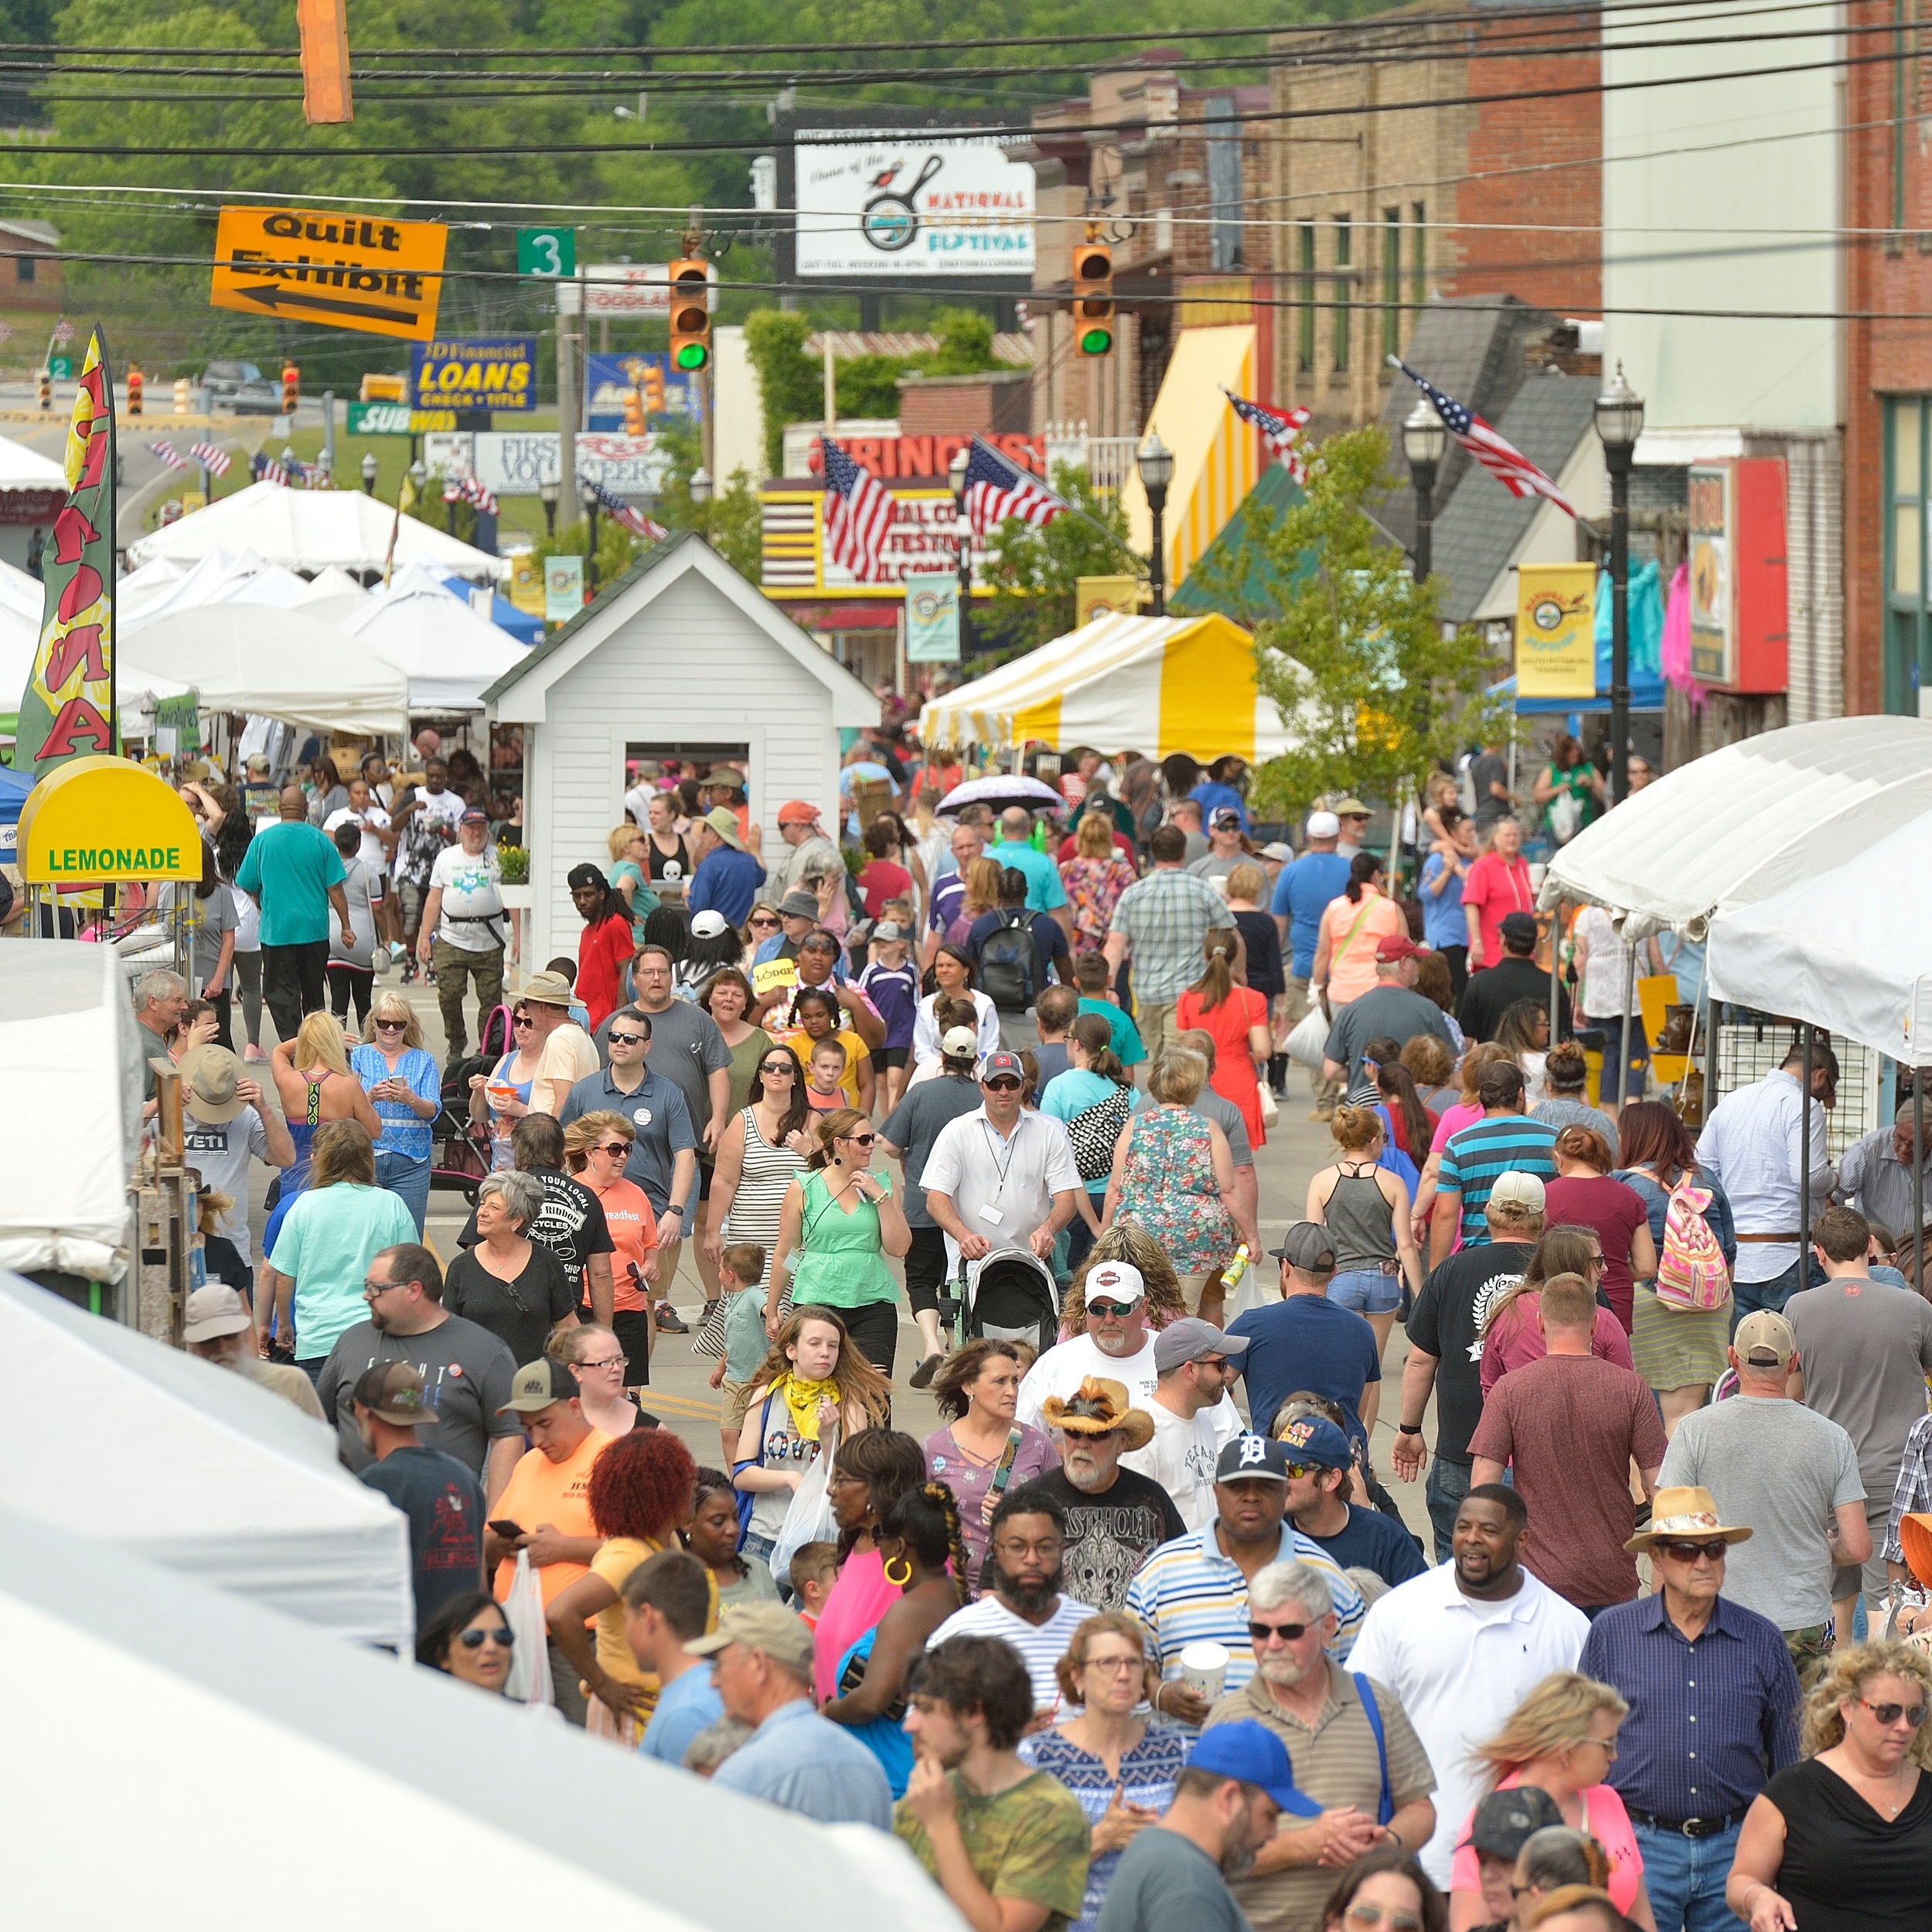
(1111, 1311)
(1295, 1471)
(862, 1139)
(764, 924)
(1889, 1714)
(615, 1149)
(777, 1066)
(1714, 1552)
(1366, 1912)
(392, 1026)
(503, 1636)
(519, 1019)
(1005, 1084)
(626, 1039)
(1286, 1633)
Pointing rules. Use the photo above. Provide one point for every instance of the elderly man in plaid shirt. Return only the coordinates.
(1161, 922)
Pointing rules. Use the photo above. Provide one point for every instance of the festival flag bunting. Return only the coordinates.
(214, 460)
(628, 515)
(170, 455)
(266, 469)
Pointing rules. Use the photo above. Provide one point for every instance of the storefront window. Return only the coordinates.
(1908, 643)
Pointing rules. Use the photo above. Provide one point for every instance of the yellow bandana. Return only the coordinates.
(802, 1399)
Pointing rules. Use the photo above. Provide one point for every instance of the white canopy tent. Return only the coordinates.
(142, 1699)
(450, 654)
(195, 1468)
(1754, 819)
(69, 1058)
(24, 468)
(25, 596)
(334, 582)
(284, 664)
(217, 578)
(309, 529)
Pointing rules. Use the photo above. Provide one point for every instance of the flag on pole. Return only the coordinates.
(996, 487)
(628, 515)
(169, 454)
(859, 510)
(65, 709)
(1280, 430)
(213, 460)
(1501, 458)
(267, 469)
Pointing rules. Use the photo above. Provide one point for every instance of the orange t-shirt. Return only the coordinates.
(541, 1492)
(627, 1213)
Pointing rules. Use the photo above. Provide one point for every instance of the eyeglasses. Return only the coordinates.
(1111, 1311)
(503, 1636)
(1711, 1552)
(1118, 1665)
(609, 1361)
(1282, 1632)
(1366, 1912)
(1889, 1714)
(1005, 1084)
(626, 1039)
(372, 1289)
(1606, 1745)
(615, 1149)
(392, 1026)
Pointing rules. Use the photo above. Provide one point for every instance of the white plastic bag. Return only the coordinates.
(1254, 1290)
(529, 1665)
(1306, 1042)
(1270, 1107)
(809, 1519)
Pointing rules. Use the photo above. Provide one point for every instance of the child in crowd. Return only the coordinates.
(1096, 982)
(814, 1568)
(821, 1019)
(826, 1090)
(580, 1014)
(740, 1269)
(892, 982)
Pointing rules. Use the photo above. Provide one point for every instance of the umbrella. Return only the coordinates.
(1001, 790)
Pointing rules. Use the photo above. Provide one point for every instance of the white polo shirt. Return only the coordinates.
(1458, 1667)
(1003, 1185)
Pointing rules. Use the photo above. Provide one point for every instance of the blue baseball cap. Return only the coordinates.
(1253, 1753)
(1315, 1438)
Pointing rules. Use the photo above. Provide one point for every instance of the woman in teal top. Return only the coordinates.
(838, 1223)
(628, 878)
(1096, 1080)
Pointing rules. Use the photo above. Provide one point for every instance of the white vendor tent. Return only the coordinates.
(450, 655)
(1155, 684)
(162, 1734)
(70, 1081)
(195, 1468)
(24, 468)
(1756, 818)
(308, 529)
(25, 596)
(217, 578)
(283, 664)
(333, 582)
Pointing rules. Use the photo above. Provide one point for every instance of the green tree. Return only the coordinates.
(731, 523)
(1375, 693)
(791, 385)
(1035, 569)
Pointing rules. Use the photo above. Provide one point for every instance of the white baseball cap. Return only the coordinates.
(1114, 1281)
(1323, 825)
(959, 1043)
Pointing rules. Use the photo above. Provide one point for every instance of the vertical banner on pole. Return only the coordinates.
(1556, 630)
(67, 709)
(931, 617)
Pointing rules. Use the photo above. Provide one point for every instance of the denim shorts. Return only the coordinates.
(1367, 1291)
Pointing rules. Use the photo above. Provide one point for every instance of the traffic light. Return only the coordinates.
(653, 390)
(47, 388)
(690, 316)
(291, 387)
(135, 382)
(1093, 298)
(633, 413)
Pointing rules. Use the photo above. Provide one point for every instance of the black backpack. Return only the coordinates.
(1010, 964)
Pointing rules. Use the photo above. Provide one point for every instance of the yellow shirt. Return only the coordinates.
(613, 1565)
(802, 1044)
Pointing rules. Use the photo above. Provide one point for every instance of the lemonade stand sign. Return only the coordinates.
(104, 821)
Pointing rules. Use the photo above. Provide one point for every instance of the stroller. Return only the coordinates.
(461, 1152)
(1011, 1295)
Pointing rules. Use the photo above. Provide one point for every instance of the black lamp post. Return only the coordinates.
(1155, 462)
(1620, 421)
(368, 471)
(547, 492)
(1424, 440)
(956, 474)
(587, 495)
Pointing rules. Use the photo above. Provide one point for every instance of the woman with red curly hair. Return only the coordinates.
(640, 1491)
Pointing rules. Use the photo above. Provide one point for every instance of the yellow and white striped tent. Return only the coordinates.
(1148, 684)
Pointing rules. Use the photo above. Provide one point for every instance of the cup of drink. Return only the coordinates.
(1204, 1669)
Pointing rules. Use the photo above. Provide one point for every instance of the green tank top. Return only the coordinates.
(840, 1264)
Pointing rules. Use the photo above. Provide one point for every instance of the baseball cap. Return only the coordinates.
(393, 1392)
(1307, 1245)
(997, 1065)
(1351, 807)
(215, 1310)
(258, 762)
(959, 1043)
(1323, 825)
(537, 1384)
(799, 905)
(1252, 1455)
(1397, 946)
(887, 929)
(475, 816)
(796, 811)
(1315, 1438)
(1254, 1754)
(784, 1637)
(1505, 1820)
(709, 926)
(1275, 848)
(1191, 1339)
(1764, 1339)
(1523, 1189)
(1518, 925)
(208, 1075)
(1120, 1281)
(1226, 819)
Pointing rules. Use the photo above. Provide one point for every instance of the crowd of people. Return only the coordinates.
(1139, 1629)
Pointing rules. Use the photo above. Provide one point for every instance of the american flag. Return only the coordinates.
(169, 454)
(1280, 430)
(266, 469)
(628, 515)
(996, 487)
(212, 459)
(859, 510)
(467, 489)
(1502, 459)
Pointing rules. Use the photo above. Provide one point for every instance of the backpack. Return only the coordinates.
(1690, 1274)
(1094, 1130)
(1009, 963)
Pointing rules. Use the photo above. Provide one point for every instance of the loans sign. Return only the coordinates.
(499, 373)
(334, 270)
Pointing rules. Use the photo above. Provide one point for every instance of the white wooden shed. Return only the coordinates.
(680, 656)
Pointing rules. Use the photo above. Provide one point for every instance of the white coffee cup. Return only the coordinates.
(1204, 1669)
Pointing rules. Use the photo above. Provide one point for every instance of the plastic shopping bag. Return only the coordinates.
(809, 1519)
(1309, 1039)
(530, 1667)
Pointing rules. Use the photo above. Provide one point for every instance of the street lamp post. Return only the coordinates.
(587, 495)
(368, 471)
(956, 474)
(1155, 462)
(701, 487)
(547, 492)
(1424, 440)
(1620, 421)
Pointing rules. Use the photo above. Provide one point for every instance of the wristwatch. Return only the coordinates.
(1409, 1429)
(675, 1207)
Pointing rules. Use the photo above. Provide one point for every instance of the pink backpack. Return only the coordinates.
(1690, 1274)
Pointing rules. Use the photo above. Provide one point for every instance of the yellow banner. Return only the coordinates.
(1556, 630)
(1104, 597)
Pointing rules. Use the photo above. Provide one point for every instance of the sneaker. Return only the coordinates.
(669, 1321)
(397, 949)
(926, 1370)
(253, 1052)
(1322, 1113)
(409, 973)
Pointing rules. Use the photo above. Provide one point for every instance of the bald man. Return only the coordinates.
(292, 870)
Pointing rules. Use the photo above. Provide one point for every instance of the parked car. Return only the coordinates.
(242, 388)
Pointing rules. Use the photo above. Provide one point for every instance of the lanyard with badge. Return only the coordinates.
(988, 1212)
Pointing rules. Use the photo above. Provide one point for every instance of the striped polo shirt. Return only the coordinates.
(1187, 1593)
(1498, 1143)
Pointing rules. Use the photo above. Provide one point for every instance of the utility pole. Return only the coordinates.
(569, 305)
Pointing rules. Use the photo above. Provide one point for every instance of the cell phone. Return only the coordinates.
(504, 1527)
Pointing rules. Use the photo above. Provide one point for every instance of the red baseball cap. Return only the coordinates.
(1397, 946)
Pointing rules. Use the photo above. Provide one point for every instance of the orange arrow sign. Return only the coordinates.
(338, 270)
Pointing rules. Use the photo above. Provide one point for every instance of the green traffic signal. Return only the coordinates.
(692, 356)
(1096, 342)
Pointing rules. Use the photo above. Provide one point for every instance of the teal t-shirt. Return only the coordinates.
(746, 1343)
(326, 1243)
(1072, 1093)
(1126, 1036)
(1044, 890)
(288, 871)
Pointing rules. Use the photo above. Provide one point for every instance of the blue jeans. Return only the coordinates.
(1747, 1297)
(1449, 1483)
(1368, 1291)
(409, 1178)
(1623, 1074)
(1685, 1878)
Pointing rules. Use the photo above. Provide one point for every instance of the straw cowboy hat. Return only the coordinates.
(1684, 1515)
(1100, 1408)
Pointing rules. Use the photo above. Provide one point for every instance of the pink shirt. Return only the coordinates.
(1464, 1114)
(857, 1602)
(1514, 1339)
(1607, 1821)
(1495, 887)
